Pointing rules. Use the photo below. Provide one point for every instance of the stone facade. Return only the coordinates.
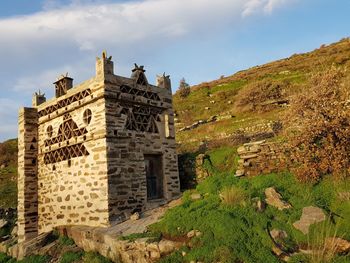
(97, 152)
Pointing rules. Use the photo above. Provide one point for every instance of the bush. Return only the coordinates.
(184, 88)
(233, 196)
(319, 128)
(257, 94)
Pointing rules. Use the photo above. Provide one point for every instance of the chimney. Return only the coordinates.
(38, 99)
(62, 85)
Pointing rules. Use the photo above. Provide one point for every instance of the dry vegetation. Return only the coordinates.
(319, 127)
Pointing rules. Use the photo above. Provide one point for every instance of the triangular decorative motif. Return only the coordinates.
(138, 92)
(65, 102)
(141, 118)
(65, 153)
(67, 130)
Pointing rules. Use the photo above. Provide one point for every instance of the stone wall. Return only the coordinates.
(72, 181)
(27, 174)
(261, 157)
(126, 148)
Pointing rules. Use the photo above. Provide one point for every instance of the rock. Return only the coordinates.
(229, 102)
(3, 223)
(154, 255)
(337, 244)
(277, 234)
(196, 196)
(152, 247)
(212, 102)
(260, 206)
(2, 166)
(194, 233)
(135, 216)
(239, 173)
(310, 215)
(274, 199)
(14, 231)
(207, 108)
(249, 156)
(241, 149)
(212, 118)
(168, 246)
(280, 253)
(191, 234)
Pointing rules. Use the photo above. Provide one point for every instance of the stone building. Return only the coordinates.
(96, 152)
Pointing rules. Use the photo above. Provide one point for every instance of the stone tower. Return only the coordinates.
(97, 152)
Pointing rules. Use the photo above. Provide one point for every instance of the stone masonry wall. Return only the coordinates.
(261, 157)
(74, 190)
(27, 174)
(126, 148)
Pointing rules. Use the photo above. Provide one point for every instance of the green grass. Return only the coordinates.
(35, 259)
(239, 233)
(65, 241)
(92, 257)
(70, 257)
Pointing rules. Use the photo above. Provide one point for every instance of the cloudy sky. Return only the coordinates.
(196, 39)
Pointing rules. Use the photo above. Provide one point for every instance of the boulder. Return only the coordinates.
(310, 215)
(239, 173)
(168, 246)
(260, 206)
(339, 245)
(135, 216)
(194, 233)
(277, 234)
(274, 199)
(14, 231)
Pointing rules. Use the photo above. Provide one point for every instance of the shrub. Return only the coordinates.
(257, 94)
(233, 196)
(319, 128)
(184, 88)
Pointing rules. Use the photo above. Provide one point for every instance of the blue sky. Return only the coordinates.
(196, 39)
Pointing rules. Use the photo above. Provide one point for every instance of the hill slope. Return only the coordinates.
(250, 101)
(8, 174)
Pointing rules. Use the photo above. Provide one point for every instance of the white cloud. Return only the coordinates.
(266, 6)
(36, 48)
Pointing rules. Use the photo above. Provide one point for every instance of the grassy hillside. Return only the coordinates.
(252, 99)
(8, 174)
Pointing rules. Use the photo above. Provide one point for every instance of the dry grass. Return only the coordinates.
(323, 244)
(233, 196)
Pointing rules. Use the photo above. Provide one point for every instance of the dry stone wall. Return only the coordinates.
(261, 157)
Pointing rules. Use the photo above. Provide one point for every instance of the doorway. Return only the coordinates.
(154, 176)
